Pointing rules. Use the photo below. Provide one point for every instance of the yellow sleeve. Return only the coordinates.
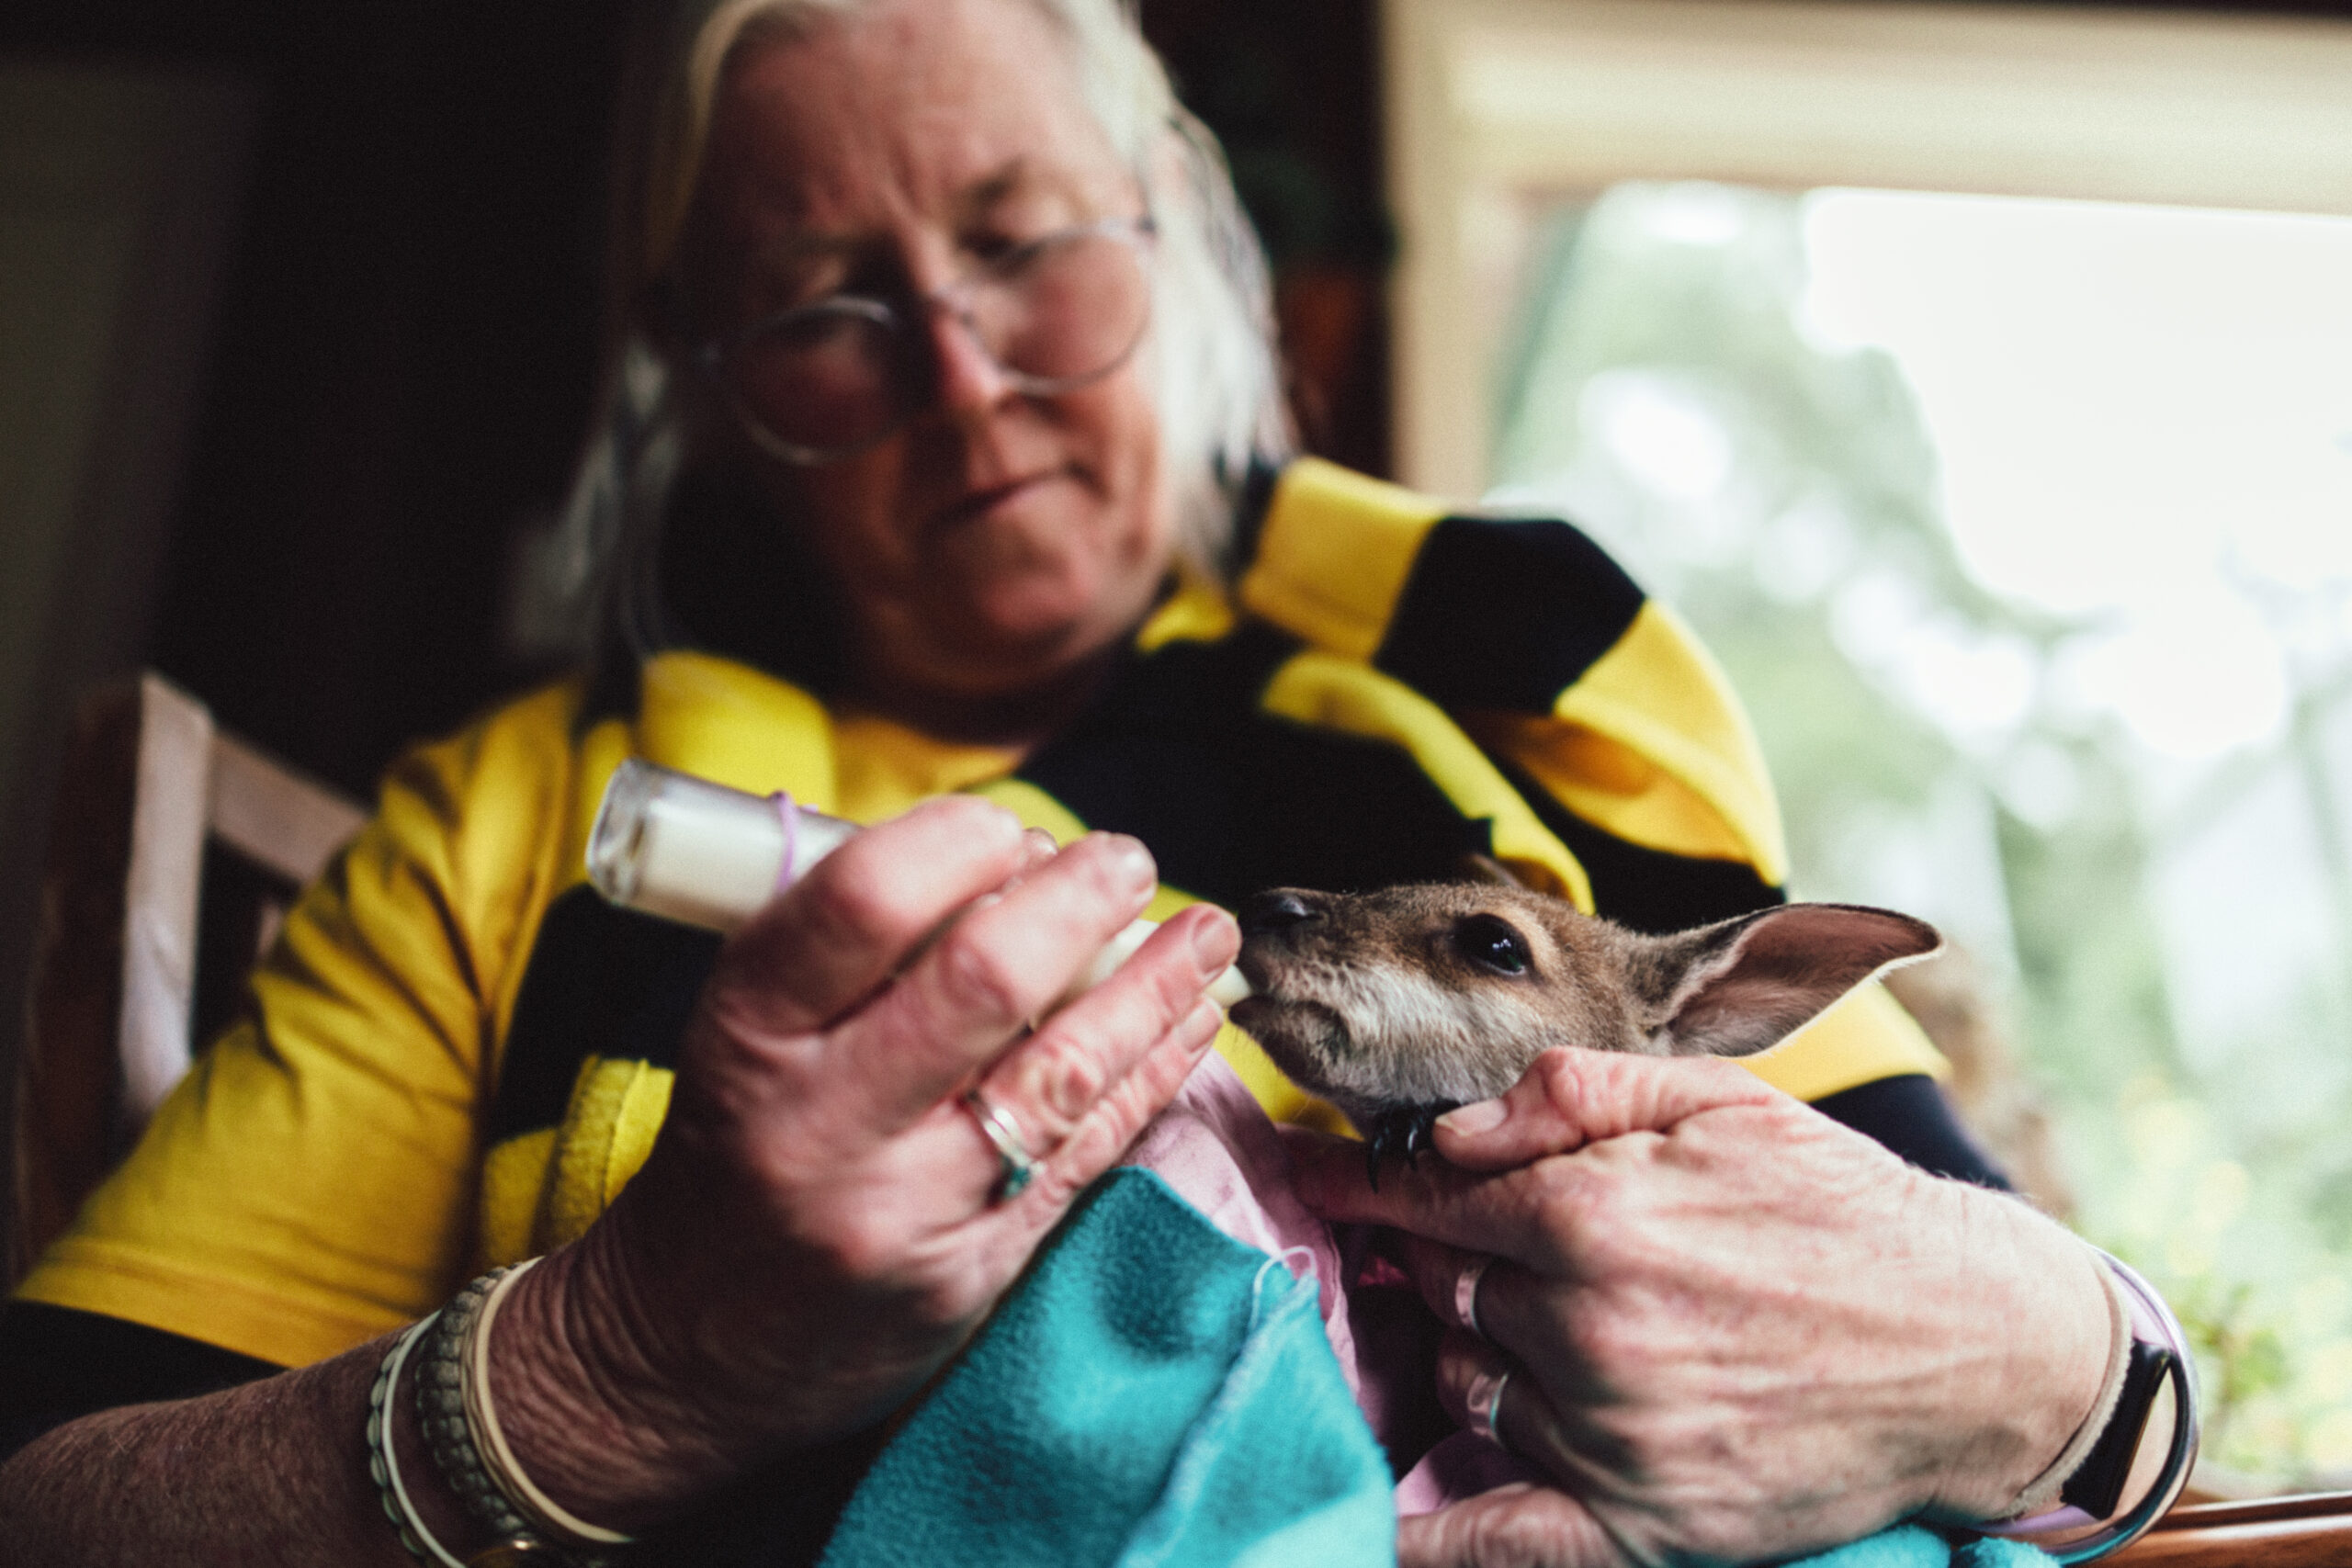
(308, 1186)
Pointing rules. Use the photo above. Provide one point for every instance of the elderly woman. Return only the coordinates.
(942, 487)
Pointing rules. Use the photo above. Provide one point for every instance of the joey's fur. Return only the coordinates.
(1400, 1003)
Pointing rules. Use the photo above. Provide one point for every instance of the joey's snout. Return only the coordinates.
(1283, 929)
(1276, 910)
(1280, 929)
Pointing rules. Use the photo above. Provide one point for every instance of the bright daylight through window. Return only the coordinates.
(2025, 528)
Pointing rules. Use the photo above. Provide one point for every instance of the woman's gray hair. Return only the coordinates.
(1209, 359)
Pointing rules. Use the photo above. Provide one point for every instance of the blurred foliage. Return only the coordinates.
(1781, 490)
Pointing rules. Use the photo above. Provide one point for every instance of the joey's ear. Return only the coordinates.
(1733, 989)
(1475, 867)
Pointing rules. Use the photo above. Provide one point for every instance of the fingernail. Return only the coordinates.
(1133, 862)
(1468, 1120)
(1214, 942)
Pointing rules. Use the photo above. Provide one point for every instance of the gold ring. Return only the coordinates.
(1016, 1165)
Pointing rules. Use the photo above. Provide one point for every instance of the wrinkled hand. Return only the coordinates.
(813, 1236)
(1735, 1330)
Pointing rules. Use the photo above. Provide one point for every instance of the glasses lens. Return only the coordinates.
(829, 378)
(822, 378)
(1066, 309)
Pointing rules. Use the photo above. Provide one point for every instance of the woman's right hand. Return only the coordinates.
(814, 1235)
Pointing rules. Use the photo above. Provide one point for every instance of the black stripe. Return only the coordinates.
(603, 981)
(1650, 890)
(1255, 497)
(1232, 800)
(1505, 614)
(57, 1364)
(1909, 1114)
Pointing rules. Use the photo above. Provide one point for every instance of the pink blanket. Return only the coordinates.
(1217, 1148)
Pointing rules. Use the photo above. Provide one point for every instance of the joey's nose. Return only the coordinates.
(1265, 913)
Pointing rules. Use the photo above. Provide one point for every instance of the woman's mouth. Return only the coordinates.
(976, 503)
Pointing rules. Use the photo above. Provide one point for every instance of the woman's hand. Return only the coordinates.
(1734, 1328)
(815, 1233)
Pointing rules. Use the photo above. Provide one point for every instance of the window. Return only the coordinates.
(1946, 370)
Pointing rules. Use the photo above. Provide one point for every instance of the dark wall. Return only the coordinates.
(1292, 89)
(408, 345)
(404, 354)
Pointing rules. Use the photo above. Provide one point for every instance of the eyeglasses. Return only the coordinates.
(830, 379)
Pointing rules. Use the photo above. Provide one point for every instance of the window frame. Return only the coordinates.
(1498, 109)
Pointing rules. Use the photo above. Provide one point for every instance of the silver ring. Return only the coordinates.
(1485, 1402)
(1015, 1164)
(1465, 1292)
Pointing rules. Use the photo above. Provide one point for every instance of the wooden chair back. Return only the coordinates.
(174, 852)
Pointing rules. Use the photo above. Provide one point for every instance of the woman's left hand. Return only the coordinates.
(1734, 1328)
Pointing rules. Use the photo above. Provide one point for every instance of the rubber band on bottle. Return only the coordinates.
(789, 815)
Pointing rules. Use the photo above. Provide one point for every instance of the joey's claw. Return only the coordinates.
(1403, 1132)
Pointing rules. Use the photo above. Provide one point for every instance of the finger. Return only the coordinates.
(1455, 1282)
(1519, 1312)
(1038, 846)
(1539, 1216)
(950, 1140)
(999, 965)
(1053, 1080)
(1102, 1139)
(1520, 1526)
(1478, 1383)
(835, 936)
(1497, 1213)
(1567, 1099)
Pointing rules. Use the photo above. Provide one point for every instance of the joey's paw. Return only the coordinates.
(1403, 1132)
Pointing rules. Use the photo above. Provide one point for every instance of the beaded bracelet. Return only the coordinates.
(384, 1465)
(441, 1411)
(462, 1432)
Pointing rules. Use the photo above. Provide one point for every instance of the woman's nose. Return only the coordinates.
(966, 378)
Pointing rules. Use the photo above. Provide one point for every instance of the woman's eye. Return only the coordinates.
(1492, 942)
(999, 247)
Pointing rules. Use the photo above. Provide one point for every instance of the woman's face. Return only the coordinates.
(1000, 541)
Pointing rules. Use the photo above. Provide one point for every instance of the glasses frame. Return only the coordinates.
(1139, 233)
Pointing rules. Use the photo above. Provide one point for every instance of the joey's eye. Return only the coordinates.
(1491, 943)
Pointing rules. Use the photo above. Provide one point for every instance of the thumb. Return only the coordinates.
(1567, 1099)
(1518, 1526)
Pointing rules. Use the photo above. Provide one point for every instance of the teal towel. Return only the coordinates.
(1913, 1546)
(1156, 1394)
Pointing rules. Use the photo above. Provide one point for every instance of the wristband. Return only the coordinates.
(2157, 1354)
